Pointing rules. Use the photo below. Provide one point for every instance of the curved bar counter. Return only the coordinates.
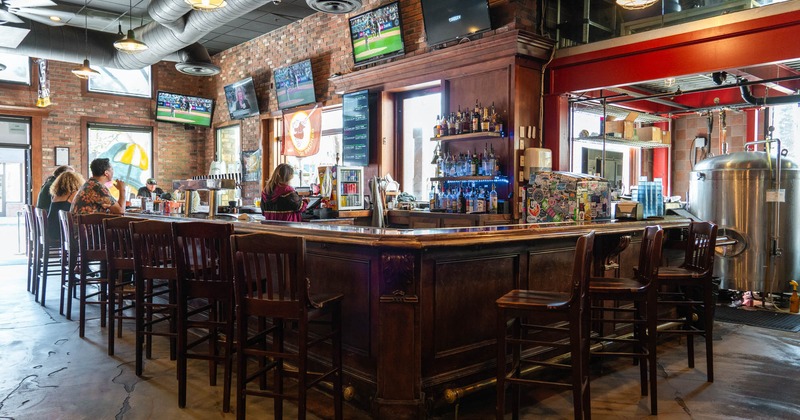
(419, 314)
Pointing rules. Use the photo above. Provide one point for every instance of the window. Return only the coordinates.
(18, 69)
(130, 150)
(588, 157)
(418, 119)
(330, 151)
(786, 120)
(136, 83)
(228, 159)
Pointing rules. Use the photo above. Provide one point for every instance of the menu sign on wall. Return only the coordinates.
(355, 138)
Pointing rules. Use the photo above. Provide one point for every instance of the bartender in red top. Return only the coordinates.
(279, 201)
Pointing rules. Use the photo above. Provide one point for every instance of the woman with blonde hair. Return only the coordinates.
(63, 191)
(279, 201)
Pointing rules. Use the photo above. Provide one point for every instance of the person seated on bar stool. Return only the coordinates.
(150, 188)
(94, 197)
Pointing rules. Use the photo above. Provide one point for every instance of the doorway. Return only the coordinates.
(14, 184)
(418, 114)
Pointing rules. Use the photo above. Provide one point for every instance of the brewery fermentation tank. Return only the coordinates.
(732, 191)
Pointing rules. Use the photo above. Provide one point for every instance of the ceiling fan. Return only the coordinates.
(36, 10)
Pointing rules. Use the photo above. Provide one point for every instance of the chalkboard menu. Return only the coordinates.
(355, 127)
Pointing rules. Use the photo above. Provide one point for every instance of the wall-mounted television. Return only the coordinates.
(184, 109)
(377, 34)
(241, 99)
(294, 85)
(449, 20)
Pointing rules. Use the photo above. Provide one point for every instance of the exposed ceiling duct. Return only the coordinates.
(173, 35)
(334, 6)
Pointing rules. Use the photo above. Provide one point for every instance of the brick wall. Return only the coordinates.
(686, 128)
(179, 152)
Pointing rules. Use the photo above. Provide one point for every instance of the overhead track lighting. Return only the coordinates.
(129, 43)
(206, 5)
(636, 4)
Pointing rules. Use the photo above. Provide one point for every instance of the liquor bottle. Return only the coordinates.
(485, 120)
(492, 118)
(459, 123)
(470, 200)
(493, 200)
(487, 167)
(476, 118)
(451, 126)
(466, 121)
(443, 128)
(437, 127)
(493, 162)
(462, 201)
(432, 198)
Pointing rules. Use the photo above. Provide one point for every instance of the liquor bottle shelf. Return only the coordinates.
(470, 136)
(469, 178)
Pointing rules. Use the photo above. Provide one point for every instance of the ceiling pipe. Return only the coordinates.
(775, 100)
(175, 27)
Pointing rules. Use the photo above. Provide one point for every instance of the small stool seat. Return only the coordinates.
(517, 314)
(616, 285)
(679, 274)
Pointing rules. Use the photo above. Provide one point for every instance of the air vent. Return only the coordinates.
(196, 68)
(334, 6)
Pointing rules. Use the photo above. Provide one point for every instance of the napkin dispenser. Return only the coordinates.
(631, 210)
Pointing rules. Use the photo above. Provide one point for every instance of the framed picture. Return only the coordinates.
(251, 165)
(62, 156)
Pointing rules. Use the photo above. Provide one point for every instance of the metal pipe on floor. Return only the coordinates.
(454, 395)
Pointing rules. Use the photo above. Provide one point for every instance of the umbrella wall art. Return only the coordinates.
(130, 153)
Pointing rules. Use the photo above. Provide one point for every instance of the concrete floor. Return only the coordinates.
(48, 372)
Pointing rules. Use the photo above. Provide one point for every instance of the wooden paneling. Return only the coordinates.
(550, 269)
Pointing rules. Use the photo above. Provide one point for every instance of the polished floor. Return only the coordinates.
(48, 372)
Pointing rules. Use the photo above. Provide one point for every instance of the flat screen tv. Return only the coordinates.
(184, 109)
(377, 34)
(449, 20)
(295, 85)
(241, 99)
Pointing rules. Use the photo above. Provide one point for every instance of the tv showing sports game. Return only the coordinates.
(449, 20)
(294, 85)
(377, 34)
(241, 99)
(184, 109)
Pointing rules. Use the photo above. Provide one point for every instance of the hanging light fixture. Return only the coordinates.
(129, 43)
(85, 71)
(636, 4)
(206, 4)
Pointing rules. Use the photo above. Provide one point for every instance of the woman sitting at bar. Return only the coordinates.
(279, 201)
(62, 190)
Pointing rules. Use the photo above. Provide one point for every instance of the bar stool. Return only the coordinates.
(69, 262)
(203, 258)
(49, 253)
(270, 282)
(569, 314)
(119, 257)
(30, 244)
(92, 249)
(156, 276)
(688, 288)
(640, 290)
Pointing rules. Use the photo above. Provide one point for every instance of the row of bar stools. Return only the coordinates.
(519, 310)
(641, 291)
(270, 283)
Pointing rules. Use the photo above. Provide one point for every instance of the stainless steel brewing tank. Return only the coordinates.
(731, 191)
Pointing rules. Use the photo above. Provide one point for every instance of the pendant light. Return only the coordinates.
(85, 71)
(636, 4)
(129, 43)
(206, 5)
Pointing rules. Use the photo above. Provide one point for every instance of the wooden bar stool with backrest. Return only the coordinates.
(92, 249)
(270, 282)
(205, 277)
(641, 290)
(689, 289)
(568, 317)
(30, 244)
(119, 256)
(49, 255)
(156, 277)
(69, 261)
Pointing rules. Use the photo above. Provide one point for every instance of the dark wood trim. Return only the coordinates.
(36, 115)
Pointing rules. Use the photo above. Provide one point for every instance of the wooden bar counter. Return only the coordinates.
(418, 312)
